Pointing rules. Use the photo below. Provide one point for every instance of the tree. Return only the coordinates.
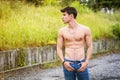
(98, 4)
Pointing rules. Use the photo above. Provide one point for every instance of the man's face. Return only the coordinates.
(65, 17)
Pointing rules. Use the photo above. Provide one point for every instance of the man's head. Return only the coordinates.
(69, 11)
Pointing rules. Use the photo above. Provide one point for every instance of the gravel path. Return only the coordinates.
(102, 68)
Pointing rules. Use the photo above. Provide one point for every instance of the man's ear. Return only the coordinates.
(71, 15)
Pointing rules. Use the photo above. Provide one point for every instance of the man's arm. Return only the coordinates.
(59, 46)
(89, 45)
(60, 53)
(88, 39)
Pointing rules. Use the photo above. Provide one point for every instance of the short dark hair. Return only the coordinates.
(70, 10)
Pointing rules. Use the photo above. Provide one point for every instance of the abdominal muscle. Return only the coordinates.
(74, 52)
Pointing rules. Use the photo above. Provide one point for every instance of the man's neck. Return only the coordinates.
(72, 24)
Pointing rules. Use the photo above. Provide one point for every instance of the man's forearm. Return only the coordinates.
(60, 54)
(89, 53)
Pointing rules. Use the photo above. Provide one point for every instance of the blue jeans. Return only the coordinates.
(72, 75)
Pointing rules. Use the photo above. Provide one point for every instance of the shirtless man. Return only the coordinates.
(75, 37)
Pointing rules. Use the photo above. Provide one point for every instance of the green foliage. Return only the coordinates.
(116, 30)
(98, 4)
(5, 10)
(66, 2)
(28, 26)
(23, 25)
(99, 23)
(80, 8)
(50, 2)
(117, 16)
(41, 2)
(20, 58)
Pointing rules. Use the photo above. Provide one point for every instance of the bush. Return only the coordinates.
(81, 8)
(116, 30)
(23, 25)
(50, 2)
(66, 2)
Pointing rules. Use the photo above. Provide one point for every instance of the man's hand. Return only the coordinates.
(67, 66)
(83, 67)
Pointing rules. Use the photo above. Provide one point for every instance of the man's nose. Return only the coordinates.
(62, 17)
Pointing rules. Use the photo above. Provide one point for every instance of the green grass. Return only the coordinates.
(100, 27)
(23, 25)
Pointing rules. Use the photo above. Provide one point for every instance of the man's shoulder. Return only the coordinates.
(86, 28)
(62, 29)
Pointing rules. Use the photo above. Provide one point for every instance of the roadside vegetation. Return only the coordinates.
(25, 25)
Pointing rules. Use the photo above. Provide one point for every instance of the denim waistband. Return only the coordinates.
(83, 60)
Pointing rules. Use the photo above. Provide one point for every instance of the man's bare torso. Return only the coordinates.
(74, 42)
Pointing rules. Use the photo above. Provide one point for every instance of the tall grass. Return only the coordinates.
(28, 26)
(23, 25)
(99, 23)
(100, 27)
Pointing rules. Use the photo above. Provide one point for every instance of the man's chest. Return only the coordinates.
(76, 36)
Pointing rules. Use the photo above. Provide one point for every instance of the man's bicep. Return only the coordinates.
(60, 40)
(88, 38)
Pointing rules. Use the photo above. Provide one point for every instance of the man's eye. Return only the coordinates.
(63, 14)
